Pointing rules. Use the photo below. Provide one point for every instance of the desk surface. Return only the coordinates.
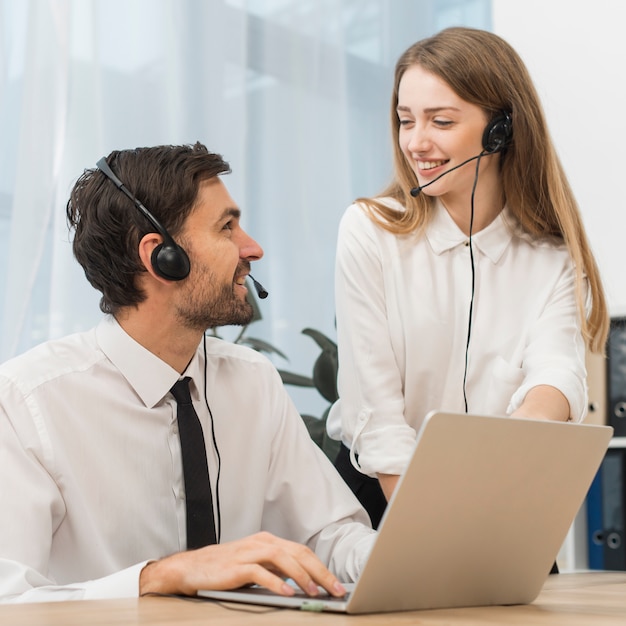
(589, 598)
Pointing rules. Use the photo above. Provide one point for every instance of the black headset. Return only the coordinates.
(496, 137)
(168, 259)
(498, 133)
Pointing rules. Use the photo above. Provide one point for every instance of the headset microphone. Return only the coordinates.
(261, 291)
(416, 190)
(496, 137)
(168, 259)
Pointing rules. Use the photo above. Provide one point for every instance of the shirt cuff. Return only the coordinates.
(123, 584)
(385, 451)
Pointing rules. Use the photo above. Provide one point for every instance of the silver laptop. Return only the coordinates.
(477, 519)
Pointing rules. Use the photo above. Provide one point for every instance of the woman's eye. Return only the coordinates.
(405, 122)
(443, 123)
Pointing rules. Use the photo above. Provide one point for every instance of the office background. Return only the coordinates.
(295, 95)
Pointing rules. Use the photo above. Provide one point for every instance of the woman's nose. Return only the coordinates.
(418, 140)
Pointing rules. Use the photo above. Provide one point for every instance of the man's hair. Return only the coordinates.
(108, 226)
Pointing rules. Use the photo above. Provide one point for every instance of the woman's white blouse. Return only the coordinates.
(402, 325)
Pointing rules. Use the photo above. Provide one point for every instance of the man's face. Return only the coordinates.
(214, 293)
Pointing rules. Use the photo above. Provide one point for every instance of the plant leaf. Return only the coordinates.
(289, 378)
(262, 346)
(329, 446)
(316, 428)
(321, 339)
(325, 375)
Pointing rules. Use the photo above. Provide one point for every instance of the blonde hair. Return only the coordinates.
(483, 69)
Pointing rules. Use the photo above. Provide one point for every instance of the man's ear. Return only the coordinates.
(147, 246)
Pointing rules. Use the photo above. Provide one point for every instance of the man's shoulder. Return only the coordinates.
(236, 363)
(221, 349)
(51, 359)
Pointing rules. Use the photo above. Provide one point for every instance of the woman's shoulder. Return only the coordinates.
(548, 243)
(388, 202)
(371, 212)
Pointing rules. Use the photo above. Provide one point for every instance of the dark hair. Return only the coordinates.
(108, 227)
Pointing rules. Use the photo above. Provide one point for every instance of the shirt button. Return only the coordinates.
(466, 243)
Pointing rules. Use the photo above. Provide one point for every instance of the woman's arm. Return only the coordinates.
(544, 402)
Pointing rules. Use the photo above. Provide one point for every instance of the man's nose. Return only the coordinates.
(249, 249)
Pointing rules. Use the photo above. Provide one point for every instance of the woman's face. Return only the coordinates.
(438, 131)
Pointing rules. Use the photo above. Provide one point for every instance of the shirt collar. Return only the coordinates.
(146, 373)
(443, 234)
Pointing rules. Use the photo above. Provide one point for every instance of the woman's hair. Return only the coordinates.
(483, 69)
(108, 226)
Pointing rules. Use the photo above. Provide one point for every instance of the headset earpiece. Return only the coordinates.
(498, 133)
(170, 261)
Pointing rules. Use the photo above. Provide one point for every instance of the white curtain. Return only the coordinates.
(293, 93)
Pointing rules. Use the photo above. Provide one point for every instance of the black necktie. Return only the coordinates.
(200, 520)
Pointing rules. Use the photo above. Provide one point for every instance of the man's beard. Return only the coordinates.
(202, 308)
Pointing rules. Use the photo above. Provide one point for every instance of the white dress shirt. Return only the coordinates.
(92, 485)
(402, 326)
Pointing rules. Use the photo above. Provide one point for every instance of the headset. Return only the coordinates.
(498, 133)
(168, 259)
(496, 137)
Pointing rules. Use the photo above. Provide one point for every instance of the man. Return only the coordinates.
(95, 492)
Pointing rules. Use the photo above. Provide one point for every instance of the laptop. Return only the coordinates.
(477, 519)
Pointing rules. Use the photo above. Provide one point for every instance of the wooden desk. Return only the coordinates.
(579, 599)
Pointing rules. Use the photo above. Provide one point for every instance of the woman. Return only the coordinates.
(469, 284)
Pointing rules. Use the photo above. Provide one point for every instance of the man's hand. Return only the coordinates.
(260, 559)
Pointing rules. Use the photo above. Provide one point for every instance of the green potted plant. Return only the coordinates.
(323, 378)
